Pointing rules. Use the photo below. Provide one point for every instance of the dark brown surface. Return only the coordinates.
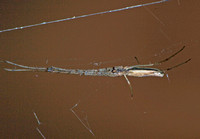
(160, 108)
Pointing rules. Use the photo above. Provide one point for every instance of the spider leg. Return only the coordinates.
(164, 60)
(25, 68)
(177, 65)
(129, 85)
(160, 62)
(137, 60)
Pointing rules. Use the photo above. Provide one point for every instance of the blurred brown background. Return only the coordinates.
(161, 108)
